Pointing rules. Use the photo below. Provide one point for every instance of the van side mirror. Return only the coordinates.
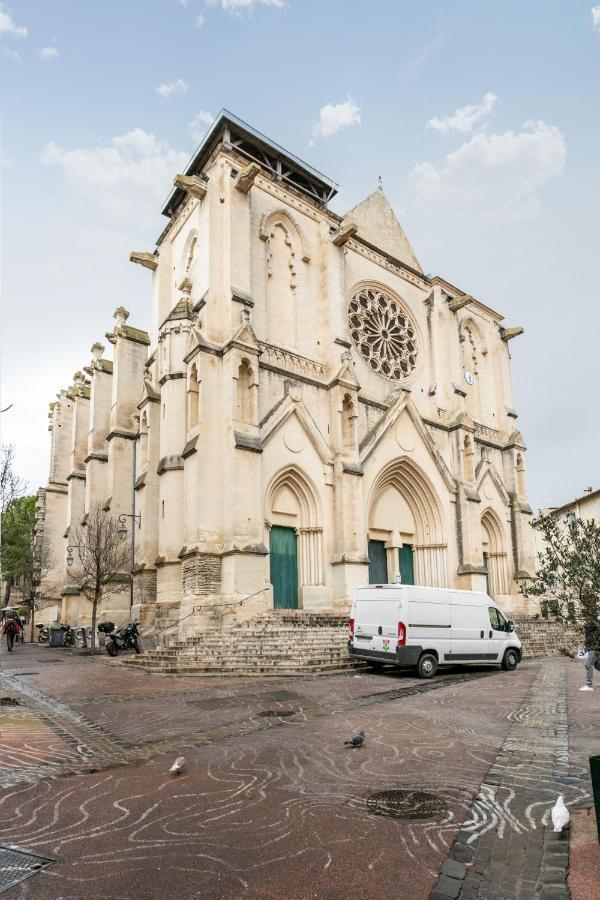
(510, 625)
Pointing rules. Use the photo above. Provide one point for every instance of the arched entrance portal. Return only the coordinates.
(495, 557)
(295, 537)
(406, 530)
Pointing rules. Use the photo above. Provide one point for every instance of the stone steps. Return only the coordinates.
(278, 645)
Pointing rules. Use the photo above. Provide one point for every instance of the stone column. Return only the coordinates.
(80, 398)
(130, 354)
(471, 574)
(56, 504)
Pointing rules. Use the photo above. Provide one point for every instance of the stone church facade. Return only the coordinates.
(310, 411)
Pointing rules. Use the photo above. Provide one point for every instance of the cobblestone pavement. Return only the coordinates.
(271, 803)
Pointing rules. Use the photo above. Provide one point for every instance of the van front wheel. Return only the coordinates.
(427, 665)
(510, 660)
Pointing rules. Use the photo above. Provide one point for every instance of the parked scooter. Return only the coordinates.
(69, 638)
(120, 639)
(43, 635)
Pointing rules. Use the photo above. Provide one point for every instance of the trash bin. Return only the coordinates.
(57, 636)
(80, 639)
(88, 637)
(595, 773)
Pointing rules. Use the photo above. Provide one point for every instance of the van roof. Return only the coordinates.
(422, 587)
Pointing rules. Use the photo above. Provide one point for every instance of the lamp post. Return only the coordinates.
(122, 532)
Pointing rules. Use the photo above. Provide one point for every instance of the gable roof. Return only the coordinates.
(377, 224)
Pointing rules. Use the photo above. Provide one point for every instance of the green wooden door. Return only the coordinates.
(405, 559)
(378, 573)
(284, 567)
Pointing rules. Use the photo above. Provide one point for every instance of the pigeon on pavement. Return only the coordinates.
(177, 766)
(560, 814)
(357, 740)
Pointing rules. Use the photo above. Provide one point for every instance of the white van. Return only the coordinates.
(407, 625)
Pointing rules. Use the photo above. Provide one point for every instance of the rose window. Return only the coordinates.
(383, 334)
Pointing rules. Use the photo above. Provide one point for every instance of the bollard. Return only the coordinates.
(595, 773)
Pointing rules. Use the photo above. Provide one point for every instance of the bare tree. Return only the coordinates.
(102, 555)
(11, 484)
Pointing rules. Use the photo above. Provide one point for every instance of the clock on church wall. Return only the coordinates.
(383, 333)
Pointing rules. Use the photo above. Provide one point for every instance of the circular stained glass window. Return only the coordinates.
(383, 334)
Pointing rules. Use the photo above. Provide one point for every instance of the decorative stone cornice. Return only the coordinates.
(143, 258)
(247, 177)
(343, 234)
(169, 464)
(507, 334)
(193, 185)
(248, 442)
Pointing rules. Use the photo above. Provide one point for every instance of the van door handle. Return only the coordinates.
(491, 634)
(481, 634)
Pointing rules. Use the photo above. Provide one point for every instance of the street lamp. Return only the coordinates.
(122, 532)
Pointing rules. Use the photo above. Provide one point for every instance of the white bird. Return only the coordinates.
(177, 766)
(560, 814)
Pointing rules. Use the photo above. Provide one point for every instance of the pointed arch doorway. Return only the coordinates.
(296, 559)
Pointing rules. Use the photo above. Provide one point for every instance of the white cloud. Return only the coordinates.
(199, 21)
(237, 6)
(492, 177)
(200, 125)
(332, 118)
(8, 26)
(165, 89)
(595, 10)
(464, 118)
(48, 52)
(6, 161)
(127, 180)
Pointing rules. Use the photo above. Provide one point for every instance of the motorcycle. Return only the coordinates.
(69, 638)
(120, 639)
(43, 635)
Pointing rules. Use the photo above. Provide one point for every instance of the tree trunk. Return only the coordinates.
(32, 624)
(7, 590)
(97, 594)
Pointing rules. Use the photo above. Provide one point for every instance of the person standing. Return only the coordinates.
(592, 645)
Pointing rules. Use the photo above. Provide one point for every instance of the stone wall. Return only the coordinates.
(546, 637)
(202, 574)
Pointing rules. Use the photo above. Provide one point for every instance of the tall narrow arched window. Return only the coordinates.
(468, 466)
(245, 400)
(348, 420)
(193, 398)
(472, 353)
(520, 475)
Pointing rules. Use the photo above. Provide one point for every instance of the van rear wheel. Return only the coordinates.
(510, 660)
(427, 665)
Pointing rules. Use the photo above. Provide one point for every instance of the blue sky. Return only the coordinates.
(481, 118)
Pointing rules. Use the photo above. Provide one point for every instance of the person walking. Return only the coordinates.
(592, 645)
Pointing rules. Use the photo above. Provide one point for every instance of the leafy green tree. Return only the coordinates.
(16, 544)
(568, 577)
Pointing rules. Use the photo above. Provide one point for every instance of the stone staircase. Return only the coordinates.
(284, 643)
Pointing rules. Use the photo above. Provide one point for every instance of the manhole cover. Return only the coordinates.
(405, 804)
(16, 865)
(9, 701)
(277, 713)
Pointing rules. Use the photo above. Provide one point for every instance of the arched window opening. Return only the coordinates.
(469, 468)
(472, 361)
(281, 284)
(348, 422)
(193, 399)
(245, 403)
